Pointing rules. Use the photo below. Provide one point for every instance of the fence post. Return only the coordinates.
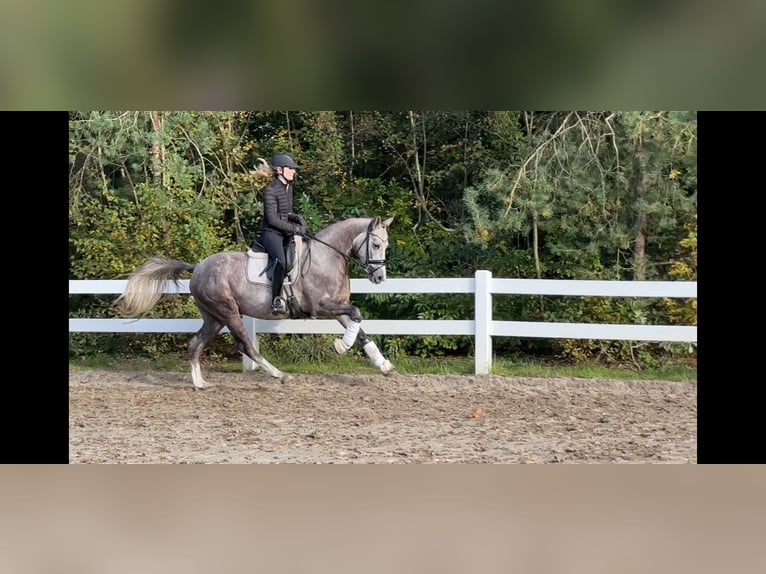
(247, 363)
(483, 321)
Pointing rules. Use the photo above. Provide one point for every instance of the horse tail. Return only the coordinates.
(146, 285)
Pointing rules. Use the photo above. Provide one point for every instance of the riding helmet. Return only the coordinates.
(283, 160)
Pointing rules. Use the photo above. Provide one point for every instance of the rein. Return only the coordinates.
(369, 265)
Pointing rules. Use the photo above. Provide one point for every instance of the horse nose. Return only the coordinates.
(378, 276)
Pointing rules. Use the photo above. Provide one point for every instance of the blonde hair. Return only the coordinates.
(262, 169)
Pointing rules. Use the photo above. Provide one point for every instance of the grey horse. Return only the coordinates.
(319, 287)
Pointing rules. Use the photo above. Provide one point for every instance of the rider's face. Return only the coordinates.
(288, 173)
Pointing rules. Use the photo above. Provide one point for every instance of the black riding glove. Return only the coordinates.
(295, 218)
(300, 229)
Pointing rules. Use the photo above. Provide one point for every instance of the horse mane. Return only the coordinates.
(331, 227)
(349, 218)
(367, 218)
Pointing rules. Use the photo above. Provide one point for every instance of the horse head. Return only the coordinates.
(371, 249)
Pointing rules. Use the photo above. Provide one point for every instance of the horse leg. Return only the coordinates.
(208, 331)
(354, 332)
(374, 354)
(352, 327)
(246, 347)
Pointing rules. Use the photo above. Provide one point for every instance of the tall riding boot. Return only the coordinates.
(278, 304)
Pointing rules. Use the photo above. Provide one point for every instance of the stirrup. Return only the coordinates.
(278, 305)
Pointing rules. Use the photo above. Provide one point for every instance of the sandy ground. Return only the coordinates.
(158, 417)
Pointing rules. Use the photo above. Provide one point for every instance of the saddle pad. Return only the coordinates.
(256, 267)
(257, 262)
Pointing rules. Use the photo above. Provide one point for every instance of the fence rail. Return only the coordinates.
(483, 286)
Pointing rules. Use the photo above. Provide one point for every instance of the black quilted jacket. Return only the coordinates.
(277, 204)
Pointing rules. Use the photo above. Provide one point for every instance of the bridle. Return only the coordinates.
(368, 264)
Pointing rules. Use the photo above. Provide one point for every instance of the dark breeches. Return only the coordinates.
(274, 243)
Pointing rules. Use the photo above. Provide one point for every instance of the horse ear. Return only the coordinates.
(387, 222)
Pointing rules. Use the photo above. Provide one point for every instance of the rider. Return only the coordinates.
(279, 222)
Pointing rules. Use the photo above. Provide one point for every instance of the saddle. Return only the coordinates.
(260, 268)
(260, 265)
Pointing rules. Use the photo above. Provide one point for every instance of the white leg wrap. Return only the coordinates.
(371, 349)
(352, 329)
(344, 344)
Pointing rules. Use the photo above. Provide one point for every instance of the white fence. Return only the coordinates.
(482, 327)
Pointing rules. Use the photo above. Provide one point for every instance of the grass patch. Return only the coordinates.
(537, 368)
(357, 362)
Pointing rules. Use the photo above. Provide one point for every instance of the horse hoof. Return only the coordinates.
(341, 347)
(386, 368)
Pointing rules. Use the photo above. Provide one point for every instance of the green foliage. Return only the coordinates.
(304, 349)
(152, 346)
(521, 194)
(608, 311)
(684, 268)
(112, 235)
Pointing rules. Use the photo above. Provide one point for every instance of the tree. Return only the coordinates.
(589, 186)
